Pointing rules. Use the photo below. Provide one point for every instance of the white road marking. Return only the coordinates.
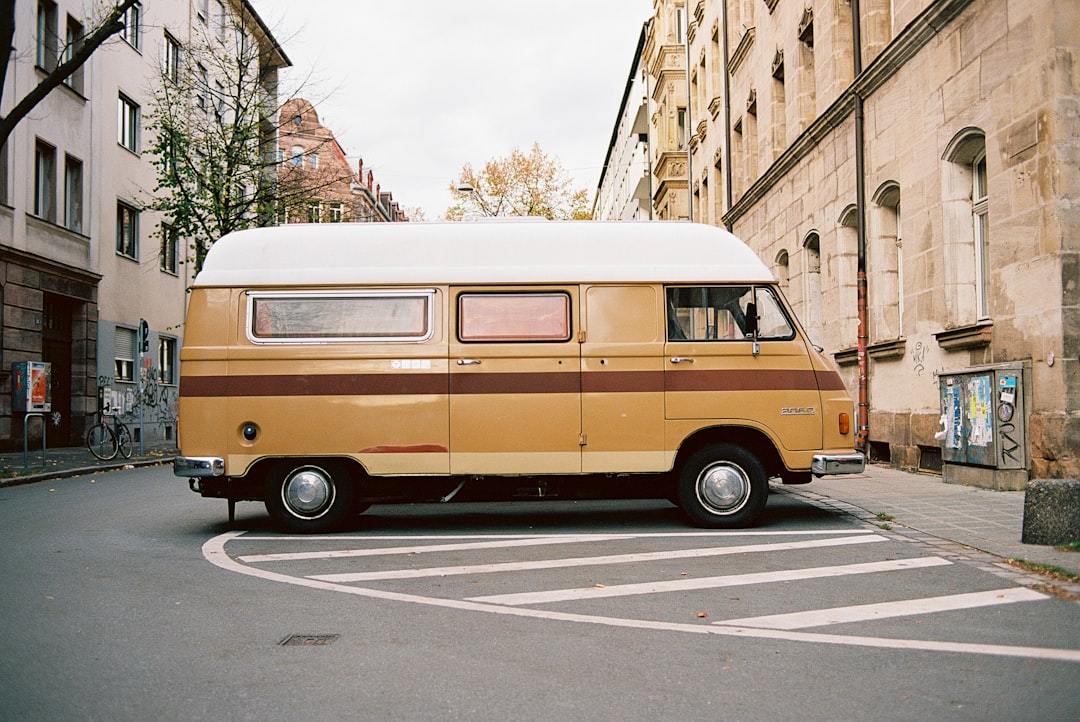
(886, 610)
(592, 561)
(496, 542)
(214, 552)
(731, 580)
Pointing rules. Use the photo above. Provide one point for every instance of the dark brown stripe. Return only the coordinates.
(612, 382)
(510, 383)
(536, 383)
(830, 381)
(758, 380)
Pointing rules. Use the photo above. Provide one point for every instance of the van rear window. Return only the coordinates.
(329, 317)
(508, 317)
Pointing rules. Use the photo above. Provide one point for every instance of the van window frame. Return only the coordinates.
(752, 290)
(427, 294)
(465, 294)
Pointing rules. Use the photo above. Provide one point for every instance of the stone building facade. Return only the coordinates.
(318, 180)
(82, 258)
(923, 155)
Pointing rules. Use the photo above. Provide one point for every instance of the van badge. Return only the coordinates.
(797, 411)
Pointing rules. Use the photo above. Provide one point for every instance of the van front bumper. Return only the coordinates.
(198, 466)
(830, 464)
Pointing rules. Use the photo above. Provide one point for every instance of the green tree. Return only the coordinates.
(69, 58)
(518, 185)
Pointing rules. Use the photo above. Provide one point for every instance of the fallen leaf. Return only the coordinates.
(702, 615)
(599, 585)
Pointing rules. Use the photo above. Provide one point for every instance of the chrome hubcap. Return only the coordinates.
(308, 492)
(723, 488)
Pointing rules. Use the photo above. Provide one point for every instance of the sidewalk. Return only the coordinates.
(988, 521)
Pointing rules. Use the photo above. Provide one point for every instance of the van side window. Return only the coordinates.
(509, 317)
(719, 313)
(326, 317)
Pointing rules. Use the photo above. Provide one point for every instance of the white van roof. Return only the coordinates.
(342, 254)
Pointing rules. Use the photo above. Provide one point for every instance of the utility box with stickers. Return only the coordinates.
(984, 426)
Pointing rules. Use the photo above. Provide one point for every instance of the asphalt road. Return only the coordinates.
(126, 597)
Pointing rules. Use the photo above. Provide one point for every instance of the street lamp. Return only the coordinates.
(468, 188)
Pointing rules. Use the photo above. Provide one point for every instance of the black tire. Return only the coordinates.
(123, 441)
(101, 441)
(309, 498)
(723, 486)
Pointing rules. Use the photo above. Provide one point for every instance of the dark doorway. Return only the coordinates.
(56, 345)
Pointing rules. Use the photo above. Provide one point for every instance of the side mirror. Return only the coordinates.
(751, 319)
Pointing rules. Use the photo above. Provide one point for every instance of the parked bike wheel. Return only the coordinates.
(123, 441)
(101, 441)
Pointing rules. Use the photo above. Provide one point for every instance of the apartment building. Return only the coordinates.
(83, 261)
(316, 178)
(909, 170)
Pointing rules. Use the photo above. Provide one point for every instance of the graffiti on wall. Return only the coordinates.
(156, 401)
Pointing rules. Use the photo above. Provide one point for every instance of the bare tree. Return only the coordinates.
(69, 58)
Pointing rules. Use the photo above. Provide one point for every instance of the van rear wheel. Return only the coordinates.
(723, 486)
(309, 498)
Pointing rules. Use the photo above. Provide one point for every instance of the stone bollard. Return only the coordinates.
(1051, 511)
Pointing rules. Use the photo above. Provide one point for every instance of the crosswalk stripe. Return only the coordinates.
(731, 580)
(886, 610)
(593, 561)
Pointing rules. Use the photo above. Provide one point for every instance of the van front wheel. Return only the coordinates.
(309, 498)
(723, 486)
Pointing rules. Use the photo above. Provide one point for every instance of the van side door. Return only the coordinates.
(515, 380)
(622, 368)
(735, 355)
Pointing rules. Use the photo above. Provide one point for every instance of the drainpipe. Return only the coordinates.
(863, 433)
(728, 193)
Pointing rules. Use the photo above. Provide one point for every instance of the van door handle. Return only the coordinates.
(681, 360)
(468, 362)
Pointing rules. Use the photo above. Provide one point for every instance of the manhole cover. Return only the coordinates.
(308, 640)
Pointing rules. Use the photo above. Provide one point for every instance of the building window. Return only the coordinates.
(313, 158)
(167, 360)
(45, 181)
(73, 194)
(201, 9)
(980, 224)
(280, 155)
(127, 124)
(132, 20)
(814, 301)
(337, 212)
(170, 60)
(966, 228)
(124, 364)
(202, 88)
(47, 50)
(72, 41)
(297, 156)
(680, 130)
(315, 212)
(3, 173)
(169, 243)
(885, 264)
(127, 231)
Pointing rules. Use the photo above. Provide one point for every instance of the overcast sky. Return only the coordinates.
(418, 88)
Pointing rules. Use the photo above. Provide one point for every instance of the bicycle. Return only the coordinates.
(104, 441)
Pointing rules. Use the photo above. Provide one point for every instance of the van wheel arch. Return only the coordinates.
(753, 440)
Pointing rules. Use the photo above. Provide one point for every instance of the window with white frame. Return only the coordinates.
(167, 360)
(202, 89)
(980, 225)
(132, 29)
(297, 156)
(313, 158)
(72, 40)
(315, 212)
(45, 181)
(170, 58)
(127, 230)
(127, 123)
(46, 48)
(169, 248)
(73, 194)
(124, 356)
(337, 212)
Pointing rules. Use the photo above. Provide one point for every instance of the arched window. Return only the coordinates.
(812, 309)
(966, 228)
(885, 266)
(783, 269)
